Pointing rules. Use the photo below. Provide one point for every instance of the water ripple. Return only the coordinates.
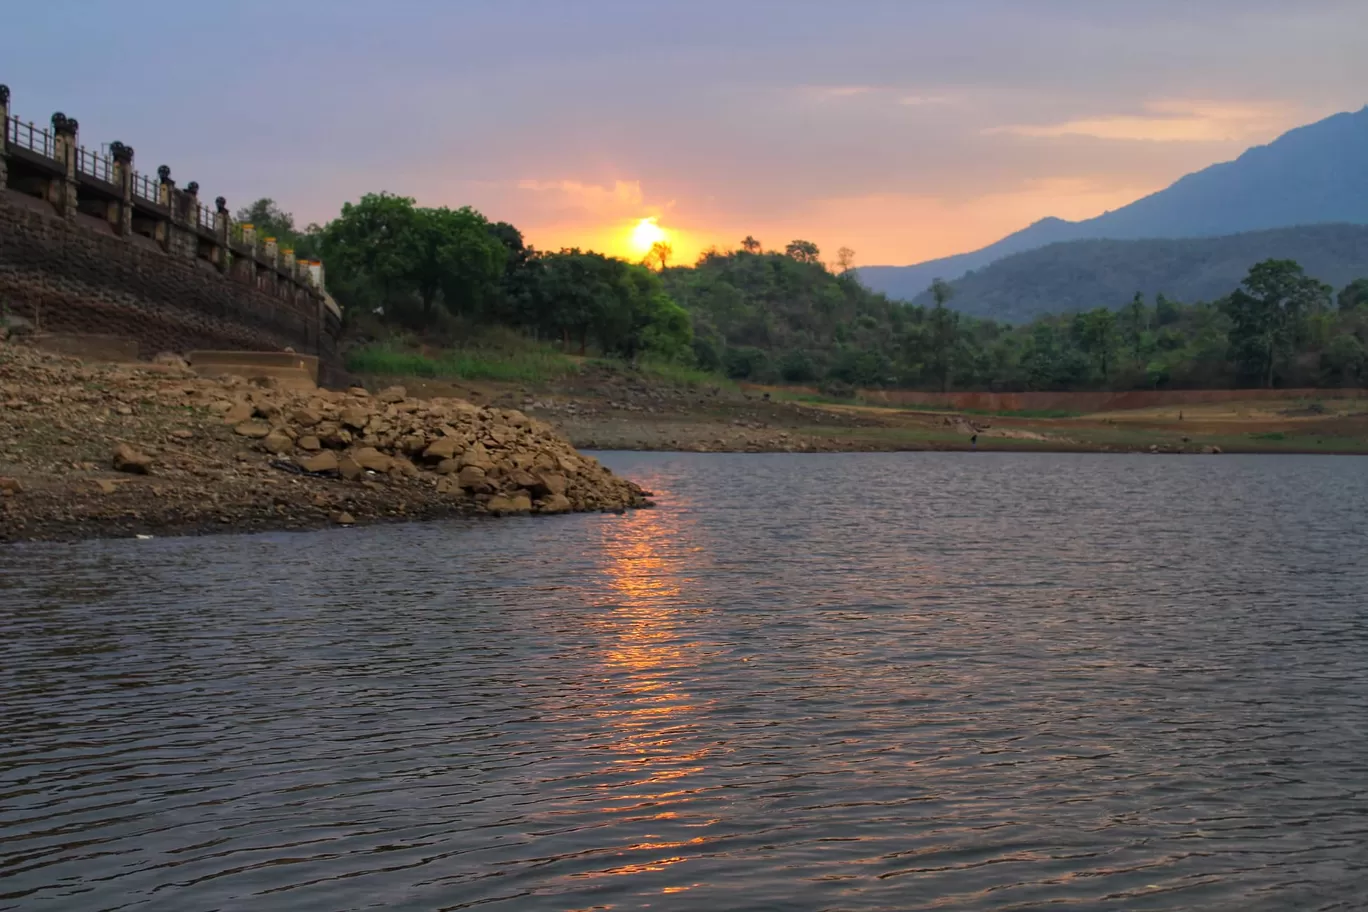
(923, 681)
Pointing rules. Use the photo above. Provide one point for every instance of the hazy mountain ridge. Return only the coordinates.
(1081, 275)
(1314, 174)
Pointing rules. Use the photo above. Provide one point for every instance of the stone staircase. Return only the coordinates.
(290, 370)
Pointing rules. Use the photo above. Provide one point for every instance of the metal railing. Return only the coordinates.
(94, 165)
(205, 218)
(146, 188)
(31, 137)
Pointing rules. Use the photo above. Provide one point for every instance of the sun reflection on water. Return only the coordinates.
(650, 649)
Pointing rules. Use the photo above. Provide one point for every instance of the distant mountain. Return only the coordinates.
(1317, 174)
(1081, 275)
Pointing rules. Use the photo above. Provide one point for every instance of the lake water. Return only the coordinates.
(913, 681)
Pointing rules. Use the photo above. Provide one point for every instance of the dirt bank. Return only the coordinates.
(619, 409)
(91, 450)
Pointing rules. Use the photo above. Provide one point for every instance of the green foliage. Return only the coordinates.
(1268, 316)
(448, 274)
(532, 366)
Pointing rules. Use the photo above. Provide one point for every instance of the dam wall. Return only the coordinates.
(91, 245)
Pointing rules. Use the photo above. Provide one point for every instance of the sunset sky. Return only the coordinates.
(903, 129)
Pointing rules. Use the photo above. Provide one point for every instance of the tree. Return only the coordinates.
(803, 252)
(458, 257)
(369, 251)
(1344, 361)
(268, 219)
(1266, 313)
(1354, 295)
(943, 328)
(660, 253)
(750, 245)
(1096, 334)
(1134, 324)
(845, 259)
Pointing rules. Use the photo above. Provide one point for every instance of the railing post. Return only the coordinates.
(123, 179)
(222, 229)
(65, 131)
(4, 135)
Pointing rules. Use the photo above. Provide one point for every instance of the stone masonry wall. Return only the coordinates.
(72, 277)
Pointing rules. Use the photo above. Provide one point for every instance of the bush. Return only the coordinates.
(746, 363)
(797, 367)
(837, 389)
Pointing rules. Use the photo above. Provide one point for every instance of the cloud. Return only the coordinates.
(1167, 121)
(921, 101)
(619, 199)
(832, 93)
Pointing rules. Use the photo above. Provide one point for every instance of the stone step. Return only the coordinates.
(288, 368)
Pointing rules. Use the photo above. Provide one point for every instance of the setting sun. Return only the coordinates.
(646, 233)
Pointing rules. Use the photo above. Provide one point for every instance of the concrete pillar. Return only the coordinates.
(62, 193)
(165, 189)
(223, 258)
(4, 135)
(271, 254)
(121, 213)
(185, 217)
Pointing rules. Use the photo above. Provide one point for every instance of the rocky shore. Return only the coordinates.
(90, 450)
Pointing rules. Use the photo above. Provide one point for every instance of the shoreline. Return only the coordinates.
(230, 456)
(114, 450)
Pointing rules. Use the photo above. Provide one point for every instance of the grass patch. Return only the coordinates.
(680, 375)
(529, 366)
(819, 399)
(1272, 435)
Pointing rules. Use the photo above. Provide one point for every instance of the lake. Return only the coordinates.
(895, 681)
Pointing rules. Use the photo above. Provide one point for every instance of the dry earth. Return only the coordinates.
(94, 450)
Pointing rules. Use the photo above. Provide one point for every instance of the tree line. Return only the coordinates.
(786, 316)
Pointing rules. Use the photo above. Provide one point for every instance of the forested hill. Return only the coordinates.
(1311, 175)
(1082, 275)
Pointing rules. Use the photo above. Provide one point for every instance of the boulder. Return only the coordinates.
(171, 359)
(523, 479)
(372, 460)
(183, 434)
(309, 443)
(449, 467)
(355, 418)
(322, 463)
(349, 468)
(440, 449)
(306, 417)
(343, 518)
(550, 484)
(502, 505)
(400, 466)
(11, 485)
(127, 459)
(554, 503)
(334, 437)
(278, 443)
(392, 394)
(253, 429)
(412, 443)
(471, 477)
(239, 412)
(477, 456)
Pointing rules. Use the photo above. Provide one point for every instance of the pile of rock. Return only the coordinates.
(95, 450)
(500, 460)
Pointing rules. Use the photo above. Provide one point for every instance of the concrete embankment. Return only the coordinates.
(91, 450)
